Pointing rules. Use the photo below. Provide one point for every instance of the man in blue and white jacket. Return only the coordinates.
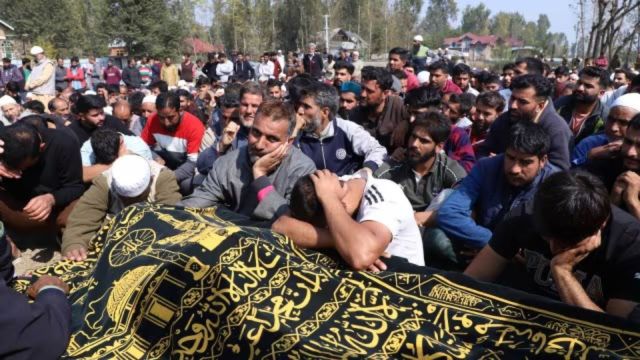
(333, 143)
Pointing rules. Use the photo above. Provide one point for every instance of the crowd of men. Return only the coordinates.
(528, 177)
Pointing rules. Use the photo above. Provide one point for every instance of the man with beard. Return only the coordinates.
(583, 110)
(398, 58)
(419, 53)
(10, 73)
(349, 98)
(530, 101)
(605, 146)
(333, 143)
(175, 137)
(383, 115)
(493, 187)
(312, 62)
(626, 189)
(439, 83)
(344, 73)
(425, 173)
(256, 180)
(621, 77)
(462, 77)
(489, 106)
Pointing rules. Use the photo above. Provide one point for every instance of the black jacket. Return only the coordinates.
(244, 69)
(39, 330)
(131, 77)
(313, 65)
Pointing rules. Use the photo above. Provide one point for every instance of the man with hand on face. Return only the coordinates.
(361, 217)
(576, 246)
(333, 143)
(41, 178)
(256, 180)
(489, 106)
(605, 146)
(175, 137)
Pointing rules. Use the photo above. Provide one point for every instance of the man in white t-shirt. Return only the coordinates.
(359, 216)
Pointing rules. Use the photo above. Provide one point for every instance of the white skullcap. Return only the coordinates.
(29, 95)
(418, 38)
(182, 83)
(423, 77)
(131, 175)
(631, 100)
(90, 92)
(36, 50)
(149, 99)
(7, 100)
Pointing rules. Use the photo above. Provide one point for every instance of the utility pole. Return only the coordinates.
(326, 33)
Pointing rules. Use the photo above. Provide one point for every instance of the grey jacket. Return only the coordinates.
(230, 183)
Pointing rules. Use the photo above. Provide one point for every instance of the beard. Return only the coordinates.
(414, 158)
(584, 98)
(313, 125)
(515, 117)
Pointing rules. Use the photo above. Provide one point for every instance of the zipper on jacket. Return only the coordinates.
(322, 151)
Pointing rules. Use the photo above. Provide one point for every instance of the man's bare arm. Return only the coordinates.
(303, 234)
(486, 266)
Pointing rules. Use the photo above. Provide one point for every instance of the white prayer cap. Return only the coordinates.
(423, 77)
(418, 38)
(7, 100)
(90, 92)
(149, 99)
(182, 83)
(131, 175)
(36, 50)
(631, 100)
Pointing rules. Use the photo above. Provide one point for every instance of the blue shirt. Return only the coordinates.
(580, 153)
(486, 191)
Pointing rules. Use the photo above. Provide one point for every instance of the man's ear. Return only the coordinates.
(543, 160)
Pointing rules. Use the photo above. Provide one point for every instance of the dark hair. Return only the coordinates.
(492, 99)
(324, 96)
(202, 80)
(528, 138)
(106, 145)
(113, 89)
(508, 66)
(539, 83)
(160, 85)
(35, 106)
(26, 61)
(184, 93)
(168, 100)
(402, 52)
(135, 101)
(466, 101)
(461, 69)
(341, 64)
(486, 77)
(570, 206)
(562, 71)
(598, 73)
(229, 101)
(304, 203)
(86, 103)
(12, 86)
(627, 73)
(75, 59)
(37, 121)
(380, 75)
(534, 66)
(21, 142)
(439, 65)
(101, 85)
(435, 124)
(273, 82)
(421, 97)
(6, 60)
(296, 86)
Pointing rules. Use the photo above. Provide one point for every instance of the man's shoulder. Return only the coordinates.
(299, 159)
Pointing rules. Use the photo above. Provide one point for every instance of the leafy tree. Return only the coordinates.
(475, 19)
(436, 24)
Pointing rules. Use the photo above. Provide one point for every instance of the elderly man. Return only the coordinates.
(130, 179)
(9, 109)
(312, 62)
(256, 180)
(42, 81)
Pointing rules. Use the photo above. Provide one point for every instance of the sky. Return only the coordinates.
(561, 16)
